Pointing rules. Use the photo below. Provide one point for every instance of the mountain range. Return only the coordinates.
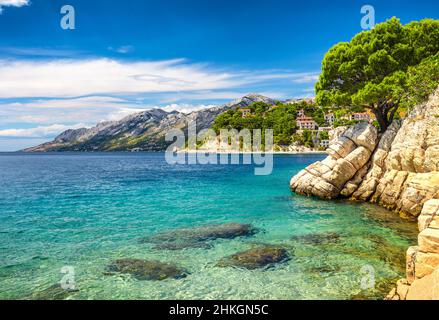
(144, 131)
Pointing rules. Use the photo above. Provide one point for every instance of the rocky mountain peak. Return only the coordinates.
(140, 131)
(249, 99)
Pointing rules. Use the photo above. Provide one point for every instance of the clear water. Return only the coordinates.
(85, 210)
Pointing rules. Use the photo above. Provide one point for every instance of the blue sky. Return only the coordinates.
(127, 56)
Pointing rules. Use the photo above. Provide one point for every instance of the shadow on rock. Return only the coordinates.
(146, 269)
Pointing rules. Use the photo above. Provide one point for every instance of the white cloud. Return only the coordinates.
(13, 3)
(73, 78)
(40, 52)
(49, 111)
(38, 132)
(306, 77)
(123, 49)
(68, 78)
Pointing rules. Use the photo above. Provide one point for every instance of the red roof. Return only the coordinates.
(305, 119)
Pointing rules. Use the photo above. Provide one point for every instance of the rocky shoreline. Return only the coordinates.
(398, 170)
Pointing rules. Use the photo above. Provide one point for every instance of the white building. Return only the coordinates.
(330, 118)
(306, 123)
(246, 112)
(324, 143)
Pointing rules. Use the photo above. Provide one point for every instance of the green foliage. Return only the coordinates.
(423, 79)
(324, 135)
(305, 138)
(373, 70)
(280, 118)
(344, 123)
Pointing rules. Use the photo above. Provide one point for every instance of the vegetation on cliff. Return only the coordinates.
(378, 68)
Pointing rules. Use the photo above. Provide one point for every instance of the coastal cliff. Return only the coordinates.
(398, 170)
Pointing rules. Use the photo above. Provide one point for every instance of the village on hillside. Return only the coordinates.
(297, 124)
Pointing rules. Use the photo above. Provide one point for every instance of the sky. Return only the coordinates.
(132, 55)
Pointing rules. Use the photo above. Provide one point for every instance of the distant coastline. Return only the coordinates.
(252, 152)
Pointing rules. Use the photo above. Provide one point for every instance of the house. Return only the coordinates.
(324, 143)
(306, 123)
(245, 112)
(330, 118)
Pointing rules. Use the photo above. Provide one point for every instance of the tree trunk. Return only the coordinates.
(381, 118)
(384, 113)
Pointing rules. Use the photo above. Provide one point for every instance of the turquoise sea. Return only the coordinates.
(86, 210)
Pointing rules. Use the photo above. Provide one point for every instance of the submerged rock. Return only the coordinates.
(378, 292)
(260, 257)
(146, 269)
(317, 238)
(55, 292)
(198, 237)
(182, 244)
(323, 269)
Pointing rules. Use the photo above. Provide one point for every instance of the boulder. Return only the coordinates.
(363, 134)
(359, 157)
(425, 264)
(198, 237)
(260, 257)
(341, 147)
(429, 217)
(348, 154)
(429, 240)
(417, 190)
(317, 238)
(426, 288)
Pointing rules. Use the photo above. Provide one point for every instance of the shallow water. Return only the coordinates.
(86, 210)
